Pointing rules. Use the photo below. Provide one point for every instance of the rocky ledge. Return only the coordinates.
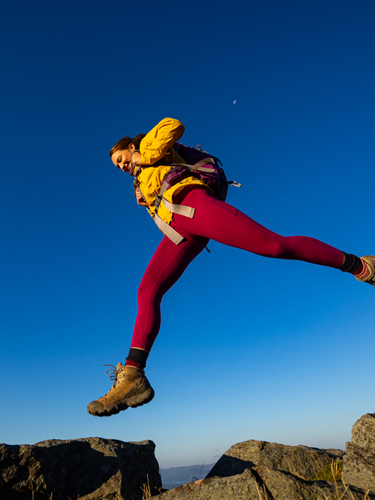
(255, 470)
(88, 469)
(106, 469)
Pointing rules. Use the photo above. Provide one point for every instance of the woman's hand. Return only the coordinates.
(139, 197)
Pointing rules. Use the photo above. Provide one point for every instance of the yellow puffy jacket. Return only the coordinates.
(156, 151)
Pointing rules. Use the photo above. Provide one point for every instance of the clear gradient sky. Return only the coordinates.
(250, 348)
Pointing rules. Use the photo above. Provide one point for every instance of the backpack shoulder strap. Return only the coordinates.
(198, 166)
(165, 228)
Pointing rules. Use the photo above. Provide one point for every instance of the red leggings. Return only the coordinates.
(221, 222)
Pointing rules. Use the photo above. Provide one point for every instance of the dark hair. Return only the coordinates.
(125, 142)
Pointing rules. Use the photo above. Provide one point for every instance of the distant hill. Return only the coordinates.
(176, 476)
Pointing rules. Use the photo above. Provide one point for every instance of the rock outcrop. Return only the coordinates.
(359, 461)
(257, 470)
(105, 469)
(263, 483)
(88, 469)
(302, 461)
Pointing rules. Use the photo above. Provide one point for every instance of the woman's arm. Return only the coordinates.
(160, 139)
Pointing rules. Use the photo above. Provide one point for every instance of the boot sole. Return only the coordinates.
(133, 402)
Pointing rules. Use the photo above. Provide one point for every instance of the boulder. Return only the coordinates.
(359, 460)
(263, 483)
(87, 468)
(258, 470)
(300, 460)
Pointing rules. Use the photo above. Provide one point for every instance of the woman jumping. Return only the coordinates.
(190, 211)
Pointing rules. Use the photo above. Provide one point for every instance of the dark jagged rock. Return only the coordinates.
(258, 470)
(263, 483)
(104, 469)
(300, 460)
(359, 461)
(87, 468)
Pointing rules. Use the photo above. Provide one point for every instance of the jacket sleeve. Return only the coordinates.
(160, 139)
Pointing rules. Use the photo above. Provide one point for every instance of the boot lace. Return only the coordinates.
(112, 373)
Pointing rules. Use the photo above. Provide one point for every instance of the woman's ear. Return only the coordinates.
(131, 147)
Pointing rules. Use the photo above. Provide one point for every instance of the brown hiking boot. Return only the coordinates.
(369, 262)
(130, 388)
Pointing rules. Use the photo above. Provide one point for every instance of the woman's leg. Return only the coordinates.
(131, 387)
(165, 268)
(223, 223)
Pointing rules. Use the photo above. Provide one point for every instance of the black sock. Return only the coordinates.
(351, 263)
(137, 357)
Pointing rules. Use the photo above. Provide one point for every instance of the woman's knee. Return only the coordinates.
(279, 249)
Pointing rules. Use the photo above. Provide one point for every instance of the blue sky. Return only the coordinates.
(250, 348)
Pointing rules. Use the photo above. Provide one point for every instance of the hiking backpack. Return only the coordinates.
(199, 164)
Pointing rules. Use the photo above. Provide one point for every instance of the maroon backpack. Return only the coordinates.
(199, 164)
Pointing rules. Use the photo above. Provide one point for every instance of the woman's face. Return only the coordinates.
(122, 158)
